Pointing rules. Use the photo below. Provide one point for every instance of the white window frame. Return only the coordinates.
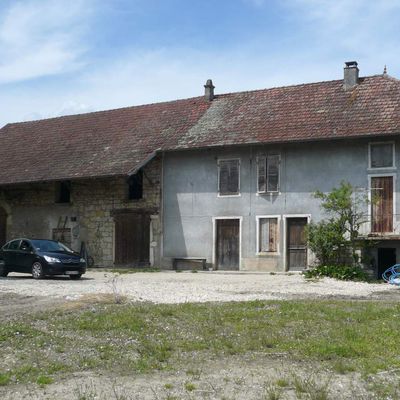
(214, 227)
(370, 167)
(218, 172)
(264, 157)
(369, 223)
(278, 236)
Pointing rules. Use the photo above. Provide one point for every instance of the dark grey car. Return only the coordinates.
(40, 258)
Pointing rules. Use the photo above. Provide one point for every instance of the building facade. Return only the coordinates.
(226, 179)
(246, 207)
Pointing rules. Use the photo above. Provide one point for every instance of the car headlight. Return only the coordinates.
(82, 260)
(52, 260)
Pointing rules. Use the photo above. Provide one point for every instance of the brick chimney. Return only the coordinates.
(209, 90)
(350, 75)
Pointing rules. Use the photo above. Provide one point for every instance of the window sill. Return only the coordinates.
(382, 169)
(268, 253)
(229, 195)
(269, 194)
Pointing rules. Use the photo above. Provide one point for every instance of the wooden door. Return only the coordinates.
(227, 246)
(296, 244)
(132, 239)
(3, 226)
(382, 204)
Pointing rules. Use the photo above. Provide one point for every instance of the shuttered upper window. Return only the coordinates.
(228, 177)
(381, 155)
(267, 235)
(268, 173)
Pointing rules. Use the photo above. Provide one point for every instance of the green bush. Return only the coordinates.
(342, 272)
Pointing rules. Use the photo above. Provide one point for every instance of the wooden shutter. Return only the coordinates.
(261, 175)
(264, 235)
(228, 177)
(273, 162)
(382, 204)
(268, 234)
(381, 155)
(273, 229)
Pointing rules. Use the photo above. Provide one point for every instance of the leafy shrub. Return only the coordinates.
(342, 272)
(326, 240)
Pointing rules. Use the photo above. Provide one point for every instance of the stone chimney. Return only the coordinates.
(350, 75)
(209, 90)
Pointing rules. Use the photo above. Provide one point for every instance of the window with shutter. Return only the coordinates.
(268, 170)
(229, 171)
(267, 235)
(381, 155)
(273, 173)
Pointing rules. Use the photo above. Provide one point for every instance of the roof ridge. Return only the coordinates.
(104, 111)
(194, 98)
(299, 85)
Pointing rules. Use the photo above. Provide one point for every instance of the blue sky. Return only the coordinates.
(63, 57)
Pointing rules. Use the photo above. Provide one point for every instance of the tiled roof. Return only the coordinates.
(298, 113)
(115, 142)
(105, 143)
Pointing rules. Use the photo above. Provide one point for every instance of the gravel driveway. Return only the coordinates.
(172, 287)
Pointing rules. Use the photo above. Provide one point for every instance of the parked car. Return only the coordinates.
(40, 258)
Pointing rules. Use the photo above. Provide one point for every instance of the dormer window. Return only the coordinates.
(381, 155)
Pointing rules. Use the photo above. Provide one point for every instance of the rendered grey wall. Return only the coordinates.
(190, 200)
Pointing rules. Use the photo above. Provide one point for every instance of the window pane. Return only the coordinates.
(268, 231)
(381, 155)
(229, 177)
(273, 173)
(14, 245)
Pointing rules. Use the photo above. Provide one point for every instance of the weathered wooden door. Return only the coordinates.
(132, 239)
(3, 226)
(296, 244)
(227, 245)
(382, 204)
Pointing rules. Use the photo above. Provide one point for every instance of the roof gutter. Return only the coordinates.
(281, 141)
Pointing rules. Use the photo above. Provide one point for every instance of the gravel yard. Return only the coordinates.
(139, 350)
(172, 287)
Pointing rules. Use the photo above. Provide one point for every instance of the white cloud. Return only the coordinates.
(41, 37)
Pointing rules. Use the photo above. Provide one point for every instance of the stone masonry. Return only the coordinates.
(33, 212)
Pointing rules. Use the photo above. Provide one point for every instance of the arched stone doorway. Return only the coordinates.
(3, 226)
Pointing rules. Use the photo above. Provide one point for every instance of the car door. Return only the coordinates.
(10, 254)
(25, 256)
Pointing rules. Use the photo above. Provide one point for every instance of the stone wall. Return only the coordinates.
(34, 213)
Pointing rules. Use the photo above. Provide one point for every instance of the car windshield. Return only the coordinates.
(51, 246)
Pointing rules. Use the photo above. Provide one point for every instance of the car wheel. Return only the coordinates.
(3, 270)
(75, 277)
(37, 270)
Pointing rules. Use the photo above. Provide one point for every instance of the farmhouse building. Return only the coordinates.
(226, 178)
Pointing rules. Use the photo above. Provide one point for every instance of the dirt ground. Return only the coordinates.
(233, 379)
(252, 377)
